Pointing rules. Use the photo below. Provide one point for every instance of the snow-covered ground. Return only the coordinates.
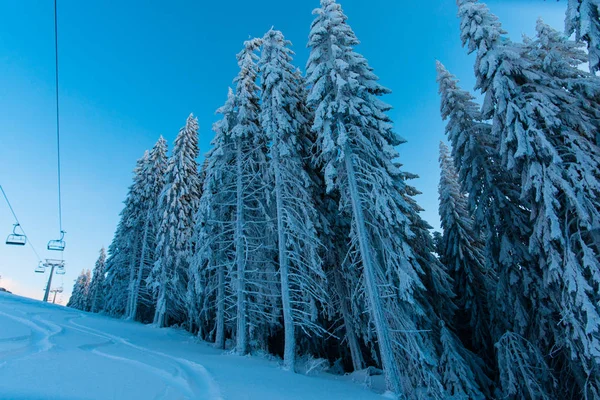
(53, 352)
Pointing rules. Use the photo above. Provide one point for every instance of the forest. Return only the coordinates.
(299, 233)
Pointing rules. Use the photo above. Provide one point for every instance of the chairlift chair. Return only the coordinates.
(59, 244)
(40, 268)
(60, 270)
(16, 239)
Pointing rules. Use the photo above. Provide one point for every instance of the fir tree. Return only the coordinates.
(213, 263)
(177, 206)
(256, 291)
(80, 295)
(300, 267)
(150, 184)
(97, 283)
(462, 252)
(123, 251)
(547, 142)
(495, 204)
(356, 141)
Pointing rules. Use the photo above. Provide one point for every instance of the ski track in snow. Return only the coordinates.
(187, 373)
(192, 380)
(39, 339)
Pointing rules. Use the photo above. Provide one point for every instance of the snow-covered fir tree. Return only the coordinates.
(146, 221)
(301, 276)
(81, 291)
(583, 19)
(124, 249)
(494, 203)
(256, 290)
(176, 209)
(97, 283)
(547, 140)
(356, 140)
(462, 252)
(212, 265)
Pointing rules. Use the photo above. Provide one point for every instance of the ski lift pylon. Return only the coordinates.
(59, 244)
(16, 239)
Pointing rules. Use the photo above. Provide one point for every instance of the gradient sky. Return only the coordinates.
(133, 70)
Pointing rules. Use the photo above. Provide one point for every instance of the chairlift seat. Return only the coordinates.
(40, 268)
(16, 239)
(59, 244)
(60, 270)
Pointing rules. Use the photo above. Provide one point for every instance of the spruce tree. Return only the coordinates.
(213, 263)
(97, 283)
(80, 295)
(499, 214)
(150, 184)
(356, 141)
(462, 252)
(123, 251)
(256, 290)
(177, 207)
(300, 267)
(547, 142)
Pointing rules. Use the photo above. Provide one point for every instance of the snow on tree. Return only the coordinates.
(523, 370)
(462, 252)
(124, 248)
(302, 279)
(494, 202)
(256, 291)
(177, 207)
(150, 185)
(356, 141)
(561, 58)
(457, 365)
(583, 19)
(213, 263)
(97, 283)
(546, 139)
(81, 290)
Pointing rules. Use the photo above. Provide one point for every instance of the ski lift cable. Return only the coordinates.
(57, 116)
(18, 223)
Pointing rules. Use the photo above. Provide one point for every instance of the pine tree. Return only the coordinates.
(150, 183)
(356, 140)
(494, 201)
(213, 263)
(300, 267)
(256, 291)
(177, 206)
(462, 252)
(547, 142)
(97, 283)
(583, 19)
(80, 296)
(123, 251)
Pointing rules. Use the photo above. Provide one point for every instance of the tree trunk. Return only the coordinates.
(392, 373)
(289, 353)
(131, 275)
(161, 302)
(133, 304)
(240, 255)
(220, 335)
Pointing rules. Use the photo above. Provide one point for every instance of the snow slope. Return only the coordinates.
(53, 352)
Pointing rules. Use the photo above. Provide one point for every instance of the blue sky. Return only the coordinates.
(133, 70)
